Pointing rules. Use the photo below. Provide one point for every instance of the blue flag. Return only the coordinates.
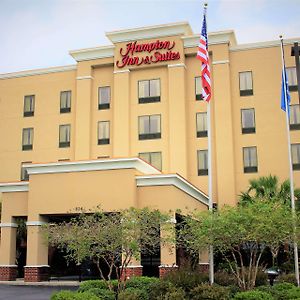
(285, 94)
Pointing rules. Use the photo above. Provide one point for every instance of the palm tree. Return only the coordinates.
(268, 188)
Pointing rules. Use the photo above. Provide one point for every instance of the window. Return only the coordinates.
(27, 139)
(29, 106)
(103, 132)
(201, 123)
(153, 158)
(296, 156)
(292, 78)
(65, 102)
(202, 162)
(104, 97)
(198, 88)
(24, 173)
(149, 91)
(250, 159)
(246, 88)
(248, 120)
(149, 127)
(294, 117)
(64, 136)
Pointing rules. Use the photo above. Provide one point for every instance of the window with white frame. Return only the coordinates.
(149, 127)
(198, 88)
(248, 120)
(149, 91)
(201, 124)
(65, 102)
(250, 159)
(292, 78)
(246, 84)
(27, 139)
(103, 132)
(64, 135)
(29, 106)
(153, 158)
(104, 97)
(295, 148)
(202, 158)
(294, 117)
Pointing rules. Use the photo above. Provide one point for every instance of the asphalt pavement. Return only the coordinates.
(15, 292)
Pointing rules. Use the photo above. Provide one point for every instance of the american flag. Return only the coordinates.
(202, 54)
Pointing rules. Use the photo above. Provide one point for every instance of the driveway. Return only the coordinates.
(17, 292)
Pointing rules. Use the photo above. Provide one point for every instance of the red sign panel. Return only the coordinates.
(155, 52)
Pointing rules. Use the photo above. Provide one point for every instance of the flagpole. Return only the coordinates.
(210, 189)
(290, 161)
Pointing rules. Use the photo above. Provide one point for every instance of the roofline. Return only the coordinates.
(93, 53)
(38, 72)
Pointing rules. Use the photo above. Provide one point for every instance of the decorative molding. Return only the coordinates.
(84, 77)
(168, 266)
(260, 45)
(150, 32)
(8, 266)
(38, 72)
(220, 62)
(37, 266)
(172, 179)
(12, 187)
(122, 71)
(91, 165)
(214, 38)
(35, 223)
(12, 225)
(177, 65)
(133, 267)
(92, 53)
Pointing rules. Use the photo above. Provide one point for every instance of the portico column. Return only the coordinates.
(37, 268)
(168, 248)
(8, 267)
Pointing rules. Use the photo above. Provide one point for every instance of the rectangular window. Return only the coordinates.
(292, 78)
(248, 120)
(104, 97)
(296, 156)
(149, 127)
(103, 133)
(29, 106)
(246, 85)
(24, 174)
(202, 157)
(198, 88)
(64, 136)
(27, 139)
(149, 91)
(201, 123)
(250, 159)
(153, 158)
(295, 117)
(65, 102)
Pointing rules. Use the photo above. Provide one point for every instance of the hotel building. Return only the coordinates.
(126, 126)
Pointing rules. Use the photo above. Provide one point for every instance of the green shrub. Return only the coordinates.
(91, 284)
(103, 294)
(160, 289)
(141, 282)
(224, 278)
(177, 294)
(283, 291)
(293, 294)
(283, 286)
(253, 295)
(185, 279)
(69, 295)
(290, 278)
(133, 294)
(206, 291)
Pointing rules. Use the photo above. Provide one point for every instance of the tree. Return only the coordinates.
(114, 238)
(268, 188)
(235, 231)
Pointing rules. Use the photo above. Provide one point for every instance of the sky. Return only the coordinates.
(40, 33)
